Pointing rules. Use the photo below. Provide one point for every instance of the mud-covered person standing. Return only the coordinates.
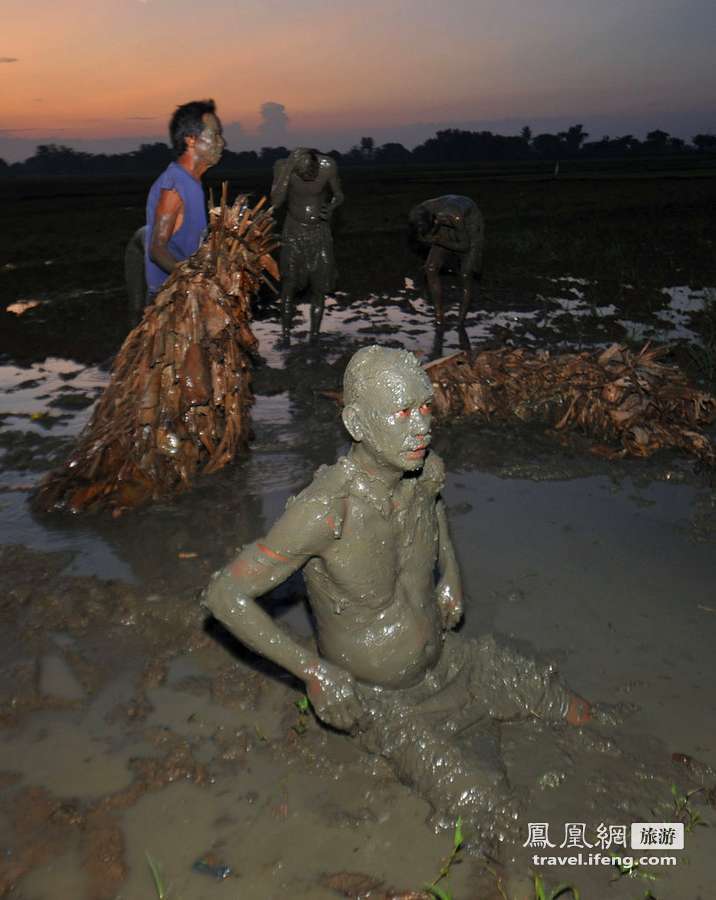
(370, 533)
(308, 180)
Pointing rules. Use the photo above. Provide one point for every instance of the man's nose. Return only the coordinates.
(420, 422)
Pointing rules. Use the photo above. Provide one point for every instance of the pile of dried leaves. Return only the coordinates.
(632, 402)
(180, 391)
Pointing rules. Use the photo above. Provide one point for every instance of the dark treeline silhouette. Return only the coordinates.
(452, 145)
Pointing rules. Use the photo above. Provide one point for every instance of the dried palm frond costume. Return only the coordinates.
(180, 389)
(630, 401)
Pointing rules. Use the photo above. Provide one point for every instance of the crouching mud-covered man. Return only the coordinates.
(370, 533)
(451, 226)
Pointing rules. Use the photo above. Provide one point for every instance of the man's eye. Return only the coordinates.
(426, 408)
(404, 413)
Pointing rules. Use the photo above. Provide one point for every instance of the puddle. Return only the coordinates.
(27, 395)
(68, 758)
(44, 405)
(63, 878)
(58, 680)
(91, 554)
(614, 558)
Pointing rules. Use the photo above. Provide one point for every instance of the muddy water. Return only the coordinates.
(127, 729)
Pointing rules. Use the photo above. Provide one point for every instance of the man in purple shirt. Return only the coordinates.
(176, 209)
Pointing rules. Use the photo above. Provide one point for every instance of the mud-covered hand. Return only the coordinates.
(289, 162)
(432, 236)
(325, 212)
(332, 692)
(450, 605)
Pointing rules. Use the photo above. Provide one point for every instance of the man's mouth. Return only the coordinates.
(417, 452)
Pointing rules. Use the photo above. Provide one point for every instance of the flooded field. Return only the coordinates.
(135, 733)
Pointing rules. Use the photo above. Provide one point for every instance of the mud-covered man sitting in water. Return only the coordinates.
(370, 533)
(310, 182)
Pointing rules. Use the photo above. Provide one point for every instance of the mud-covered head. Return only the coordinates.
(421, 226)
(421, 222)
(388, 407)
(307, 164)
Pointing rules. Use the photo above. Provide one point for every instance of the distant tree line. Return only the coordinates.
(451, 145)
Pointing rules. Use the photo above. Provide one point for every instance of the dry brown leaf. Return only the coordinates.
(627, 402)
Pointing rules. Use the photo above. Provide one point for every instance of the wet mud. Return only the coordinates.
(132, 726)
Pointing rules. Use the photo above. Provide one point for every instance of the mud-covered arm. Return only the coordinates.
(282, 170)
(449, 588)
(306, 529)
(334, 183)
(474, 228)
(169, 208)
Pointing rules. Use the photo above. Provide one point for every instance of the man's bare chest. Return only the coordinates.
(376, 544)
(307, 190)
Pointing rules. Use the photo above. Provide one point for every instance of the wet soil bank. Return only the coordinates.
(129, 725)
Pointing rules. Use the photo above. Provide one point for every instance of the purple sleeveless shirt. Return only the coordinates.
(188, 238)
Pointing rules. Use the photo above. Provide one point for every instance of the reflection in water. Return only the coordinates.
(463, 339)
(27, 392)
(22, 306)
(295, 429)
(91, 554)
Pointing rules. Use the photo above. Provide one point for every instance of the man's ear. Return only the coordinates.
(351, 420)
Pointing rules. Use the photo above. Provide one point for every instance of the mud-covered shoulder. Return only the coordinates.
(432, 478)
(325, 496)
(327, 164)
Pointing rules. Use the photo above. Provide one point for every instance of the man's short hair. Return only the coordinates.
(187, 121)
(370, 364)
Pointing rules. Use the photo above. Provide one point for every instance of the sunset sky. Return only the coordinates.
(106, 74)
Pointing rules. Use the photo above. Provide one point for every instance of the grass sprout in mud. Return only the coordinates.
(434, 889)
(682, 810)
(632, 869)
(540, 888)
(303, 705)
(157, 878)
(565, 891)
